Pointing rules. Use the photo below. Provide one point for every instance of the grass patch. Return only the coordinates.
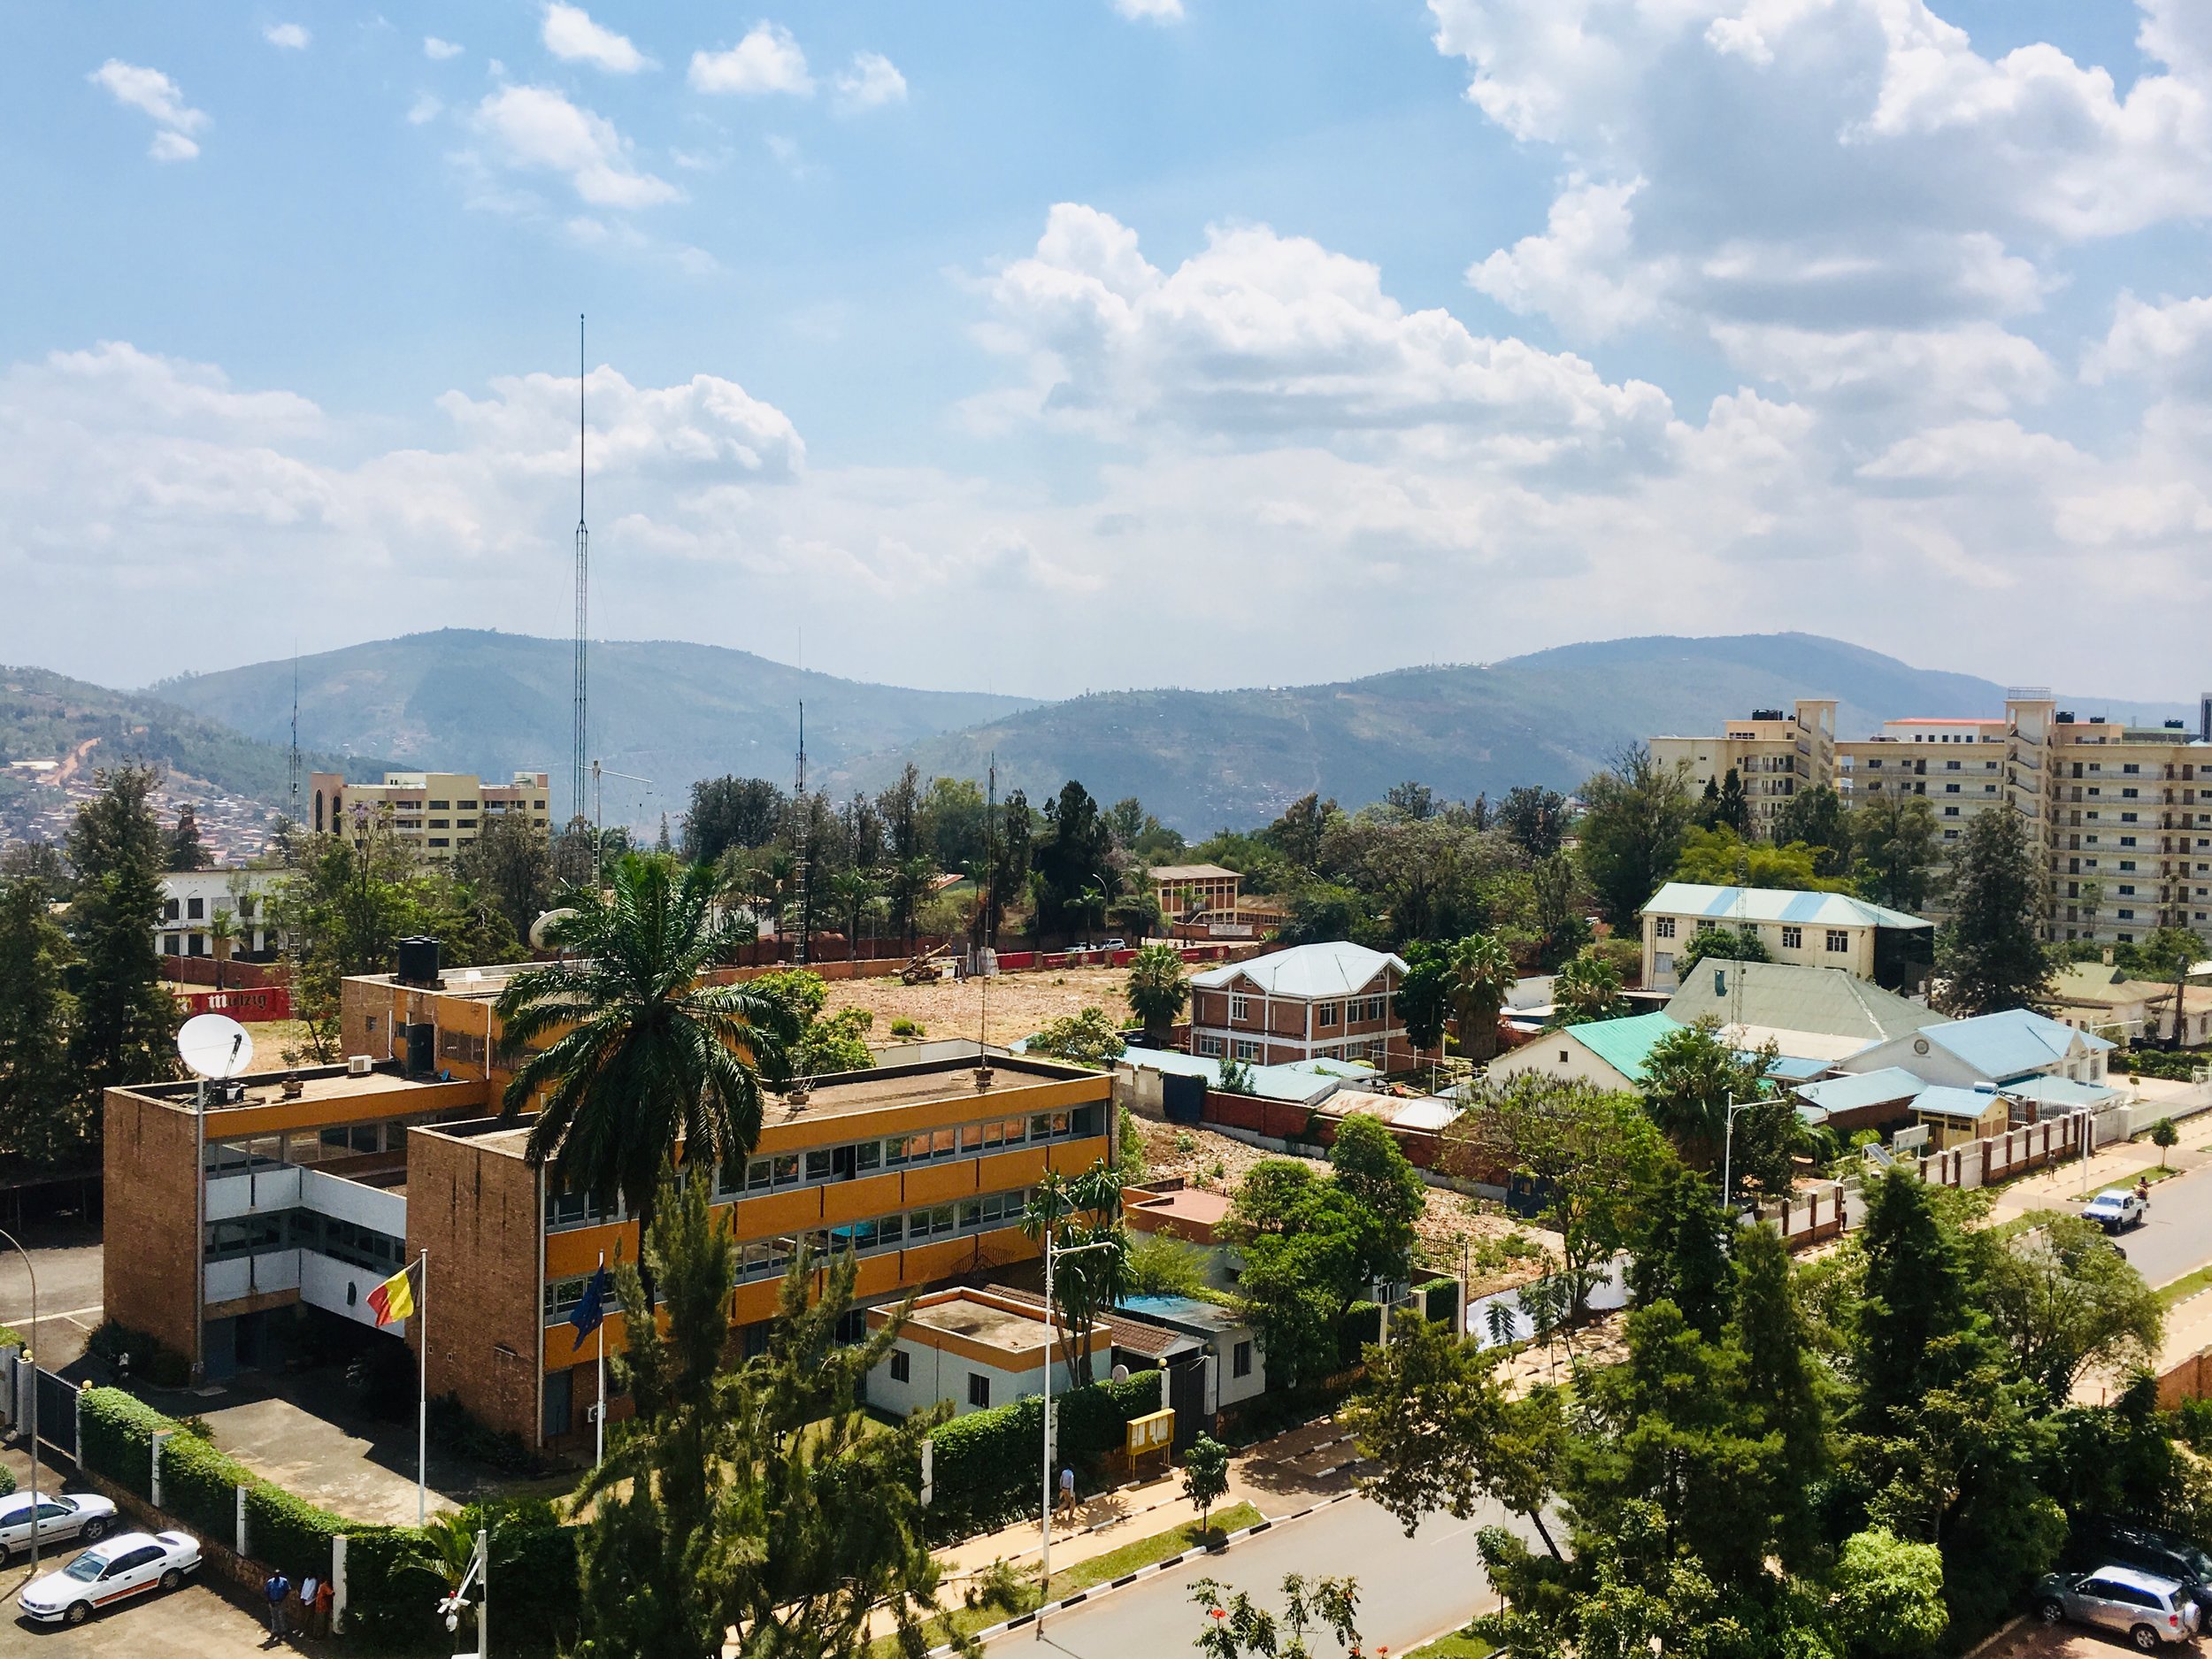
(1460, 1644)
(1139, 1551)
(2187, 1285)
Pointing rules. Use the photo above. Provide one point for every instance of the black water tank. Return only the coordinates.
(418, 961)
(422, 1049)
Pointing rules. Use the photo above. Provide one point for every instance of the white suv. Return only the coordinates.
(2148, 1609)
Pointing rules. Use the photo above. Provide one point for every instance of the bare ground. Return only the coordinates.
(1020, 1003)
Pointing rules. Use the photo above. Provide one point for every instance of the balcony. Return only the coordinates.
(274, 1188)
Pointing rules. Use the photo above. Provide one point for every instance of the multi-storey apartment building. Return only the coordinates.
(437, 813)
(315, 1186)
(1775, 754)
(2121, 815)
(192, 899)
(1310, 1002)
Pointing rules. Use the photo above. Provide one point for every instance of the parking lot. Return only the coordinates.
(2031, 1639)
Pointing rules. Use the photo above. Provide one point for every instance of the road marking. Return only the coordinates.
(18, 1320)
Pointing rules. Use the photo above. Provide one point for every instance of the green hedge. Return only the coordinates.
(290, 1533)
(199, 1486)
(987, 1464)
(117, 1434)
(7, 1482)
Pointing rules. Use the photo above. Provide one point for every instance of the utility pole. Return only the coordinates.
(583, 600)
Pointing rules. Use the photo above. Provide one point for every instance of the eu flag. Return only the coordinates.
(591, 1312)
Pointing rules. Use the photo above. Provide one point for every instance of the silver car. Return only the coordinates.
(84, 1516)
(2145, 1609)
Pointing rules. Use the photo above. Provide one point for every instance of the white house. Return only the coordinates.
(978, 1349)
(2001, 1048)
(1809, 930)
(191, 900)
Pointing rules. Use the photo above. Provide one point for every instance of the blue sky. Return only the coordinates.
(1054, 348)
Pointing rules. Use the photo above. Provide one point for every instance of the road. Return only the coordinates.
(67, 1262)
(1410, 1589)
(2176, 1237)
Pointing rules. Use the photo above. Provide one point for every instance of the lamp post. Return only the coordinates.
(1728, 1150)
(30, 1354)
(1052, 1252)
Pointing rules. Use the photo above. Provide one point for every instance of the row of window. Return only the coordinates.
(304, 1146)
(767, 1258)
(195, 910)
(345, 1241)
(1837, 941)
(820, 1165)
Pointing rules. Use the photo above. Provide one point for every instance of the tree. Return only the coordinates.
(1442, 1432)
(2164, 1136)
(1073, 880)
(44, 1121)
(728, 812)
(1299, 833)
(1899, 850)
(1205, 1475)
(1481, 976)
(2170, 952)
(1081, 1215)
(125, 1018)
(512, 864)
(1587, 987)
(41, 864)
(629, 1053)
(1386, 1191)
(1727, 944)
(222, 940)
(1788, 1386)
(1690, 1078)
(1236, 1075)
(1087, 1038)
(186, 849)
(1562, 928)
(1731, 809)
(1912, 1294)
(1721, 857)
(1816, 818)
(1631, 833)
(1236, 1626)
(1889, 1595)
(2065, 1299)
(1535, 817)
(757, 1498)
(1303, 1241)
(1990, 954)
(1423, 999)
(1158, 992)
(1681, 1250)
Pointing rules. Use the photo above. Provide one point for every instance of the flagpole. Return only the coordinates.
(599, 1409)
(422, 1403)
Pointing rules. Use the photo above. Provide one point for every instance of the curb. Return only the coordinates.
(1145, 1572)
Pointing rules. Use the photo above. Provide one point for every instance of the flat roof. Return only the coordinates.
(1193, 872)
(1188, 1203)
(949, 1078)
(266, 1089)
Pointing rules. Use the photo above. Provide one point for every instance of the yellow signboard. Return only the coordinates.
(1153, 1432)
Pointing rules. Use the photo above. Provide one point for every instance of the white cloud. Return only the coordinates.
(291, 37)
(571, 34)
(438, 50)
(2168, 344)
(536, 128)
(154, 93)
(426, 108)
(766, 60)
(1150, 11)
(872, 81)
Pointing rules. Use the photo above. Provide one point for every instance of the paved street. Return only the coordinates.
(67, 1263)
(2176, 1237)
(1410, 1588)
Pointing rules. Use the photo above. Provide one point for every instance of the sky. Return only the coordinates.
(1043, 348)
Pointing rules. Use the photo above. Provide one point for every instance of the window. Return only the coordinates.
(468, 806)
(195, 910)
(1246, 1051)
(1950, 788)
(1663, 928)
(440, 840)
(1793, 939)
(1950, 765)
(979, 1390)
(1325, 1014)
(1209, 1048)
(1240, 1360)
(168, 910)
(902, 1365)
(440, 823)
(1838, 940)
(2126, 915)
(1240, 1007)
(1950, 811)
(441, 806)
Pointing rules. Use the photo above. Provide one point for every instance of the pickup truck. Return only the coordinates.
(2117, 1211)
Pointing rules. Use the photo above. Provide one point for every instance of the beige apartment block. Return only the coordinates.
(437, 813)
(2121, 815)
(1776, 753)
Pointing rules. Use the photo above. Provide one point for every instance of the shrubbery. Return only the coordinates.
(151, 1362)
(987, 1464)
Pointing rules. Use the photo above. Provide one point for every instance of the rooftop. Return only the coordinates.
(1885, 1087)
(1193, 872)
(914, 1083)
(317, 1083)
(1292, 1081)
(2011, 1044)
(1192, 1204)
(1968, 1104)
(1183, 1310)
(963, 1314)
(1782, 997)
(1339, 968)
(1624, 1044)
(1775, 904)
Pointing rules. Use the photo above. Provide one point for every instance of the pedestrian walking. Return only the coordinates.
(1067, 1491)
(278, 1590)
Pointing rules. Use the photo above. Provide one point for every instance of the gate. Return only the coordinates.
(57, 1413)
(1182, 1099)
(1186, 1398)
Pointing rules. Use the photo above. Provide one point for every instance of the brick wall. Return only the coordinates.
(149, 1278)
(476, 1211)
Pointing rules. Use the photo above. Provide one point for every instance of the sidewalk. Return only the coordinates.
(2107, 1166)
(1277, 1477)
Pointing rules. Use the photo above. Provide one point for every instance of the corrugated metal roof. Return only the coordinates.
(1885, 1087)
(1775, 904)
(1965, 1103)
(1784, 996)
(2060, 1091)
(1625, 1043)
(2011, 1044)
(1306, 1081)
(1339, 968)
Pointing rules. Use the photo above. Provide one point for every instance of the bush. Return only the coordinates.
(10, 1336)
(150, 1361)
(987, 1464)
(453, 1428)
(199, 1486)
(117, 1438)
(7, 1482)
(904, 1027)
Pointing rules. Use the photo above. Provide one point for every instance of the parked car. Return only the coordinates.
(129, 1564)
(2145, 1609)
(2148, 1549)
(84, 1516)
(1115, 944)
(2115, 1212)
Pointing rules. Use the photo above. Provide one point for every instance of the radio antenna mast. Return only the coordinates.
(583, 599)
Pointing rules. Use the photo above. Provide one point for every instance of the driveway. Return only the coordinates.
(67, 1263)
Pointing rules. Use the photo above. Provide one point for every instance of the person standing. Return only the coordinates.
(325, 1598)
(278, 1591)
(308, 1586)
(1067, 1491)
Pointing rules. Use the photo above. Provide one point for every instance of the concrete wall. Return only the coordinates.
(935, 1375)
(149, 1275)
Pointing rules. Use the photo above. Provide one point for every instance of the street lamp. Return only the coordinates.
(30, 1354)
(1052, 1252)
(1728, 1149)
(453, 1605)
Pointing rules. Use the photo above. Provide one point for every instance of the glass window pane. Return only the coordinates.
(971, 1138)
(786, 1169)
(757, 1176)
(818, 1164)
(944, 1142)
(972, 1213)
(868, 1155)
(889, 1230)
(1016, 1132)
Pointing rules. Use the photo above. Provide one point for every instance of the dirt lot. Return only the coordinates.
(1020, 1003)
(2030, 1639)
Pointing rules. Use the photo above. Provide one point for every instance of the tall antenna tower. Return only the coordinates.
(990, 855)
(806, 839)
(583, 597)
(293, 760)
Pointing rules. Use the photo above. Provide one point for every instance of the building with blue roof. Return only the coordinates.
(1956, 1115)
(1807, 930)
(1993, 1049)
(1869, 1100)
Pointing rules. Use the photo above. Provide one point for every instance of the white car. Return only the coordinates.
(84, 1516)
(2116, 1210)
(126, 1565)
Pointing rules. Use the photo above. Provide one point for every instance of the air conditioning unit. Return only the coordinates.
(360, 1066)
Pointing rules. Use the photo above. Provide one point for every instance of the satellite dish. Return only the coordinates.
(215, 1046)
(538, 927)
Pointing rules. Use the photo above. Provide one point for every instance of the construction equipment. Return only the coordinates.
(930, 966)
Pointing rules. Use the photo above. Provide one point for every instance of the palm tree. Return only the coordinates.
(1480, 972)
(1158, 992)
(222, 938)
(1586, 987)
(643, 1056)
